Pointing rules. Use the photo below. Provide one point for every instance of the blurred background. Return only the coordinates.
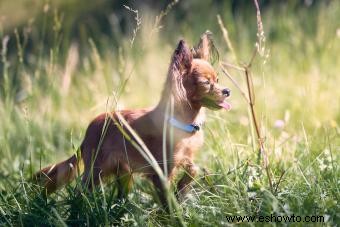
(62, 60)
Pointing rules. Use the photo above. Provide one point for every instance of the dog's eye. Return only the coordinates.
(217, 80)
(207, 82)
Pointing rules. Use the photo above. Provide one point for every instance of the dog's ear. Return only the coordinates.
(182, 57)
(180, 65)
(206, 49)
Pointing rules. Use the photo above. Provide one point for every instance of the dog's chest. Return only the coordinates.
(187, 146)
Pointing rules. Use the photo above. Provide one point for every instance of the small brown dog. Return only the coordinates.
(191, 85)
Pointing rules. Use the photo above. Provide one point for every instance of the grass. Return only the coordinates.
(49, 94)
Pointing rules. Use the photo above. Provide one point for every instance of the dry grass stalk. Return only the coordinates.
(71, 63)
(157, 25)
(226, 36)
(250, 97)
(138, 20)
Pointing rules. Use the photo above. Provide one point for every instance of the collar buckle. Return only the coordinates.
(196, 127)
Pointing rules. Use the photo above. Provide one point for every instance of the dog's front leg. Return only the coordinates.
(190, 171)
(161, 192)
(124, 183)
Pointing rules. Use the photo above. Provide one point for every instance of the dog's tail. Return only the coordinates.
(55, 176)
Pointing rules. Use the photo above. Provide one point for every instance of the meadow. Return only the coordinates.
(59, 72)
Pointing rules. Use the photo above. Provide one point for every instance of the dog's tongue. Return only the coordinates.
(225, 105)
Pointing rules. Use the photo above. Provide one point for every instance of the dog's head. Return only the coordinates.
(193, 78)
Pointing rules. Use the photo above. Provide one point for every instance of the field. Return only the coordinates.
(61, 67)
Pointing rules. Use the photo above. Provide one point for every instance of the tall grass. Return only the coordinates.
(48, 98)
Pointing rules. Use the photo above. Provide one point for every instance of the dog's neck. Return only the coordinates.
(172, 105)
(189, 114)
(182, 111)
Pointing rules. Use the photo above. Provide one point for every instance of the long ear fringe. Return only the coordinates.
(180, 65)
(206, 49)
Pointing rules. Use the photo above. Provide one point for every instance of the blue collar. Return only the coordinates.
(191, 128)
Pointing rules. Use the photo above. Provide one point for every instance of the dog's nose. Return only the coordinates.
(226, 92)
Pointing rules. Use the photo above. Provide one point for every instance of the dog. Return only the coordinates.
(191, 86)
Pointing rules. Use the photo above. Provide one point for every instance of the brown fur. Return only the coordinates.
(187, 85)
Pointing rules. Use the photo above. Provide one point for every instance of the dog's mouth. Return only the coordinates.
(216, 105)
(225, 105)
